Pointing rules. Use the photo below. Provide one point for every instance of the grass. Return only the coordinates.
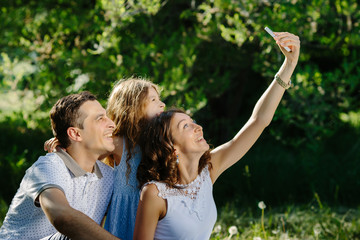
(291, 222)
(305, 222)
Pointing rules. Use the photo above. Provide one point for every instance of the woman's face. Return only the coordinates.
(154, 106)
(187, 135)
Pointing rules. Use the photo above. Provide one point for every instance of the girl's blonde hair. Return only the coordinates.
(126, 107)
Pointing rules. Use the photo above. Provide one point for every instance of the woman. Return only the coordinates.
(178, 169)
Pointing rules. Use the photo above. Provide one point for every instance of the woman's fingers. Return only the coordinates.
(288, 40)
(285, 39)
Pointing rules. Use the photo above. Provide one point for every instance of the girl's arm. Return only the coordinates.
(151, 208)
(51, 145)
(229, 153)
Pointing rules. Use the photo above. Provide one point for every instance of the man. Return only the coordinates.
(67, 191)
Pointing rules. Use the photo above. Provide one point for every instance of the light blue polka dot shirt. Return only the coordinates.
(87, 192)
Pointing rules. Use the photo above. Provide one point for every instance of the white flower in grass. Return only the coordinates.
(284, 236)
(217, 228)
(275, 231)
(347, 225)
(233, 230)
(317, 229)
(261, 205)
(257, 238)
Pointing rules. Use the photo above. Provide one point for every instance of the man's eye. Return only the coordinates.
(194, 121)
(186, 125)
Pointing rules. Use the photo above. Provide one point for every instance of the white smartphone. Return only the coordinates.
(273, 35)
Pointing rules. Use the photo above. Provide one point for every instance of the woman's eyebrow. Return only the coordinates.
(178, 125)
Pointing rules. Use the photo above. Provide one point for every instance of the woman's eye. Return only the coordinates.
(186, 125)
(194, 121)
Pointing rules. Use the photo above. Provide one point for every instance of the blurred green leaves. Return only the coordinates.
(210, 57)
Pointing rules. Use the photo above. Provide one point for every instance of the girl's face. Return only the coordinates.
(187, 135)
(154, 106)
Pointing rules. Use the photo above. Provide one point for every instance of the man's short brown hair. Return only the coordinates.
(65, 114)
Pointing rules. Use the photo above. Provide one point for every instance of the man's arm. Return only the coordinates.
(69, 221)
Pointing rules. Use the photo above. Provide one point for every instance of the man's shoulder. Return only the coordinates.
(48, 159)
(49, 165)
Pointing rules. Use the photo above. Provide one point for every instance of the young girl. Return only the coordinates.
(178, 170)
(131, 104)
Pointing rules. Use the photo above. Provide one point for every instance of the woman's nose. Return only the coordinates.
(198, 127)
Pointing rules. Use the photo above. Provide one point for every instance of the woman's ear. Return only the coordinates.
(176, 155)
(74, 134)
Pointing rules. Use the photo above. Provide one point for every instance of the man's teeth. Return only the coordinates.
(199, 139)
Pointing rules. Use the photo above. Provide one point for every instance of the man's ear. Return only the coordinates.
(74, 134)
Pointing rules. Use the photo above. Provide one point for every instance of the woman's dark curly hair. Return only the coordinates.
(158, 154)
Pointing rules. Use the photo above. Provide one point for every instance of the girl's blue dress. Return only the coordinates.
(120, 220)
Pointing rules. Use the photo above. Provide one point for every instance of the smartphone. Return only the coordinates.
(273, 35)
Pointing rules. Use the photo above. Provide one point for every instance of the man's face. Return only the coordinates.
(97, 129)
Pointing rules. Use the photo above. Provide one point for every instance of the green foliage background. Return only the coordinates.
(212, 58)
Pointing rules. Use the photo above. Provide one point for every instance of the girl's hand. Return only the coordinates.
(51, 145)
(285, 39)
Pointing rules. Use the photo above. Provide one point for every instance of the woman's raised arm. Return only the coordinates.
(229, 153)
